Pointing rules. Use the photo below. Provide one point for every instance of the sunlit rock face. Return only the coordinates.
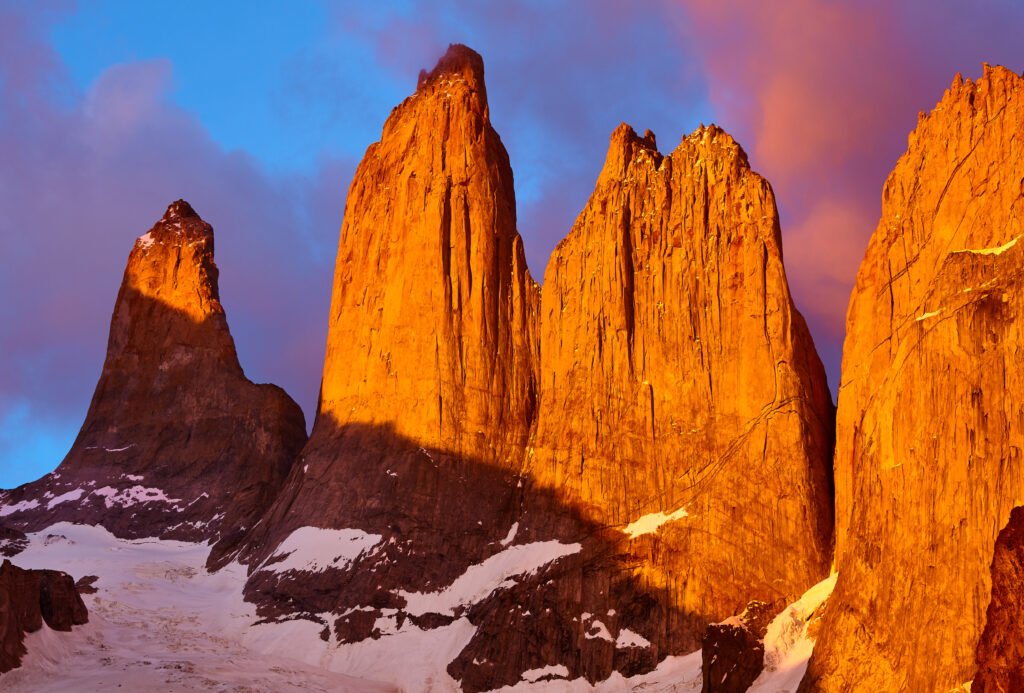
(430, 349)
(678, 381)
(177, 442)
(930, 425)
(442, 481)
(429, 386)
(433, 309)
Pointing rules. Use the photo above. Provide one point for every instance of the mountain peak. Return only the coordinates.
(177, 443)
(179, 209)
(459, 64)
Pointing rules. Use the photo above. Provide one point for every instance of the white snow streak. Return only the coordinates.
(18, 507)
(650, 523)
(65, 498)
(990, 251)
(628, 638)
(787, 648)
(510, 537)
(551, 671)
(313, 549)
(132, 496)
(481, 580)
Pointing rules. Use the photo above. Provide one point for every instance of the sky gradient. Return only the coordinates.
(258, 112)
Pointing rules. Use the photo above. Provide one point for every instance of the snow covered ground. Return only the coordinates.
(158, 622)
(161, 622)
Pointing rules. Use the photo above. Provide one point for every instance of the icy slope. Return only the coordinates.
(159, 621)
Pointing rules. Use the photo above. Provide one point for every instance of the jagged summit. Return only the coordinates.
(459, 65)
(179, 209)
(706, 142)
(678, 379)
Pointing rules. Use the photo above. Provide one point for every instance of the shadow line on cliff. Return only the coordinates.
(439, 513)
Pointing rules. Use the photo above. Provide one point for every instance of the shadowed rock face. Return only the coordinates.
(677, 377)
(928, 454)
(732, 658)
(177, 443)
(1000, 655)
(30, 598)
(430, 452)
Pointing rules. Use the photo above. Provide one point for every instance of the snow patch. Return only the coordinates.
(601, 632)
(932, 314)
(559, 671)
(146, 240)
(513, 530)
(65, 498)
(482, 579)
(650, 523)
(990, 251)
(132, 496)
(313, 549)
(628, 638)
(161, 622)
(18, 507)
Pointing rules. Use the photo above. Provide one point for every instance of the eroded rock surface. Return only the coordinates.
(930, 425)
(177, 442)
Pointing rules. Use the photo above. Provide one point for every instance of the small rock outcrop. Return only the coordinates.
(930, 432)
(733, 652)
(1000, 653)
(177, 443)
(732, 658)
(30, 598)
(12, 541)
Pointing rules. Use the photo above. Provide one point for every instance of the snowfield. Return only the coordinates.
(159, 621)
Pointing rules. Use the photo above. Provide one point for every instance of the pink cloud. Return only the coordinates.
(823, 94)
